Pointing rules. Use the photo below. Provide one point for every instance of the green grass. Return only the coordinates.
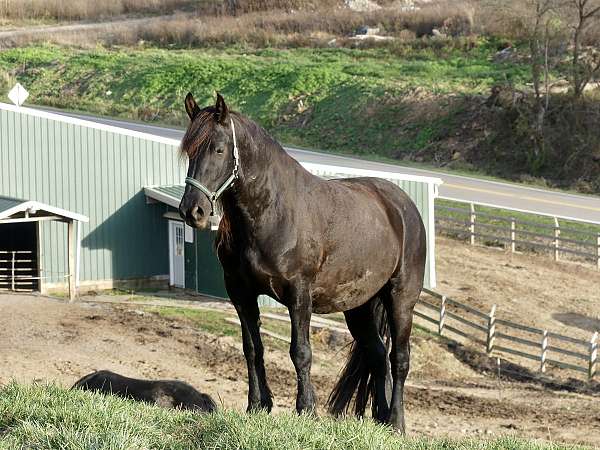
(338, 87)
(209, 321)
(48, 417)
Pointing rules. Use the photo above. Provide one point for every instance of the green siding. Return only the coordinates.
(208, 268)
(98, 173)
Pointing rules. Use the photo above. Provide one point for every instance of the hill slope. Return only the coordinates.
(423, 100)
(49, 417)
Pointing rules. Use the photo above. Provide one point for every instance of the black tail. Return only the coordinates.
(356, 376)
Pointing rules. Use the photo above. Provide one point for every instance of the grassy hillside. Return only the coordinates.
(420, 100)
(312, 97)
(47, 417)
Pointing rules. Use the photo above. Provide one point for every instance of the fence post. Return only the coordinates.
(491, 330)
(442, 315)
(472, 224)
(12, 272)
(556, 238)
(544, 351)
(593, 355)
(598, 251)
(513, 235)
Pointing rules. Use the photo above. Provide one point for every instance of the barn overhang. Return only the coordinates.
(15, 211)
(169, 195)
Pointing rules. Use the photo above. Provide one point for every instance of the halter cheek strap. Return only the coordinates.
(213, 196)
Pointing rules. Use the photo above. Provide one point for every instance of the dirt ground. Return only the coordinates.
(448, 393)
(563, 296)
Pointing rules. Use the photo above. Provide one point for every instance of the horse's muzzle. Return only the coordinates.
(194, 215)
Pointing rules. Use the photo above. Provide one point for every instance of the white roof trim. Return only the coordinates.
(313, 167)
(30, 204)
(89, 124)
(161, 197)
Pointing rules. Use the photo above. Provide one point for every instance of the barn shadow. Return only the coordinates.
(124, 245)
(577, 320)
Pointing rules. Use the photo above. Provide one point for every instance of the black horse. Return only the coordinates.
(166, 393)
(353, 245)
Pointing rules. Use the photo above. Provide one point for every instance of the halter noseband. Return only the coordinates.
(213, 196)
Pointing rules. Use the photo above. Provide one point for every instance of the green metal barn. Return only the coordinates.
(87, 206)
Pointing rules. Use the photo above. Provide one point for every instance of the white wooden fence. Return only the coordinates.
(512, 232)
(498, 336)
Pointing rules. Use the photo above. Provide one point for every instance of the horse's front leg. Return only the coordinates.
(259, 394)
(300, 308)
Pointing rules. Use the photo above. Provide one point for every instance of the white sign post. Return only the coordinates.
(18, 94)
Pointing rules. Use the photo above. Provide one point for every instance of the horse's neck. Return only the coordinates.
(269, 180)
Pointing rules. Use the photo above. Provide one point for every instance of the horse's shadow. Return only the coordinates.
(506, 370)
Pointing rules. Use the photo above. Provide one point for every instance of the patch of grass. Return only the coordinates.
(48, 417)
(212, 322)
(487, 218)
(311, 97)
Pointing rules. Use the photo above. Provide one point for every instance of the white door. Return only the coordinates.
(176, 251)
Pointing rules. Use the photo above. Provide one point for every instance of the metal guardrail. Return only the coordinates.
(472, 227)
(533, 343)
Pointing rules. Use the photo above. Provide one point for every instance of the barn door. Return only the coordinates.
(176, 251)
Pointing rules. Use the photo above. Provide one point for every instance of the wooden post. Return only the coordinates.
(71, 265)
(598, 251)
(442, 315)
(472, 224)
(12, 272)
(593, 355)
(544, 352)
(556, 238)
(491, 331)
(513, 235)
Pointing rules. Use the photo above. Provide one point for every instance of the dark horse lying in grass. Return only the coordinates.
(167, 393)
(353, 245)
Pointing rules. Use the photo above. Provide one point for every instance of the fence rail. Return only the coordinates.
(511, 231)
(536, 344)
(18, 271)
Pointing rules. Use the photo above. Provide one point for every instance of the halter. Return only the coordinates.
(213, 196)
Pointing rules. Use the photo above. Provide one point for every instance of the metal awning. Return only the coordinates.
(169, 195)
(17, 210)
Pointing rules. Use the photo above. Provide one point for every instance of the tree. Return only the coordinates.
(585, 64)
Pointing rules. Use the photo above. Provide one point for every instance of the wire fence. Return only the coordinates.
(518, 231)
(500, 336)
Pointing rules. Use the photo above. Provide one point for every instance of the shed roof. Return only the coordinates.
(169, 195)
(15, 209)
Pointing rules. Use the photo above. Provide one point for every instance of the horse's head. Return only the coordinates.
(211, 147)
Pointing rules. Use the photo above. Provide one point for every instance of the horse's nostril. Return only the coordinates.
(196, 213)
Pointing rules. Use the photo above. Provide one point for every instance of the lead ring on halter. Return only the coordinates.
(213, 196)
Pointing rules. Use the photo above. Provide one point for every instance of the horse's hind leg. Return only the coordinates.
(365, 328)
(400, 300)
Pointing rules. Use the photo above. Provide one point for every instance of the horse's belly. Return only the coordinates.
(348, 293)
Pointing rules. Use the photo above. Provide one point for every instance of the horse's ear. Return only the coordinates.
(221, 110)
(191, 106)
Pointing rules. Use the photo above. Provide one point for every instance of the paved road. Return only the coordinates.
(508, 195)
